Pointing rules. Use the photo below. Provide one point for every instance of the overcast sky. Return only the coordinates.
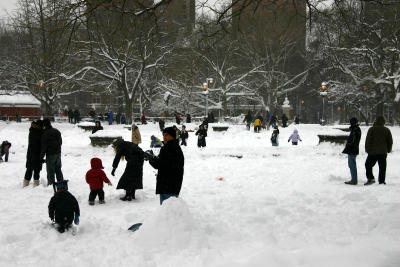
(7, 6)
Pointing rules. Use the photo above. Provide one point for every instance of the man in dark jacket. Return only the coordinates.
(70, 115)
(63, 207)
(378, 144)
(248, 119)
(170, 164)
(33, 160)
(51, 148)
(352, 150)
(77, 116)
(284, 120)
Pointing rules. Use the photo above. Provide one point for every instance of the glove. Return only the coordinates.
(110, 184)
(113, 172)
(76, 221)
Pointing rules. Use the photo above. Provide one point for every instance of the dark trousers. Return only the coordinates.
(53, 167)
(63, 225)
(183, 142)
(370, 163)
(257, 129)
(96, 192)
(166, 196)
(5, 152)
(35, 172)
(294, 143)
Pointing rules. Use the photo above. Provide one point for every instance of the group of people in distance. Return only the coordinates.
(378, 144)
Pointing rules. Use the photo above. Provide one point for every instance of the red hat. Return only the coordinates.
(96, 163)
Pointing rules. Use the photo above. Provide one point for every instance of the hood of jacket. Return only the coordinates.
(96, 164)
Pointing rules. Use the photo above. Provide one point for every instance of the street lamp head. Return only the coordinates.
(365, 89)
(41, 83)
(210, 80)
(323, 86)
(205, 86)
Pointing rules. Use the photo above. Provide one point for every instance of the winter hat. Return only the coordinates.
(61, 184)
(96, 163)
(170, 131)
(117, 142)
(46, 123)
(353, 121)
(380, 121)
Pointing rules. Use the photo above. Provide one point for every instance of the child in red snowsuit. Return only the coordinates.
(95, 178)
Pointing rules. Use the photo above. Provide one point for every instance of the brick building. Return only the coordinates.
(18, 103)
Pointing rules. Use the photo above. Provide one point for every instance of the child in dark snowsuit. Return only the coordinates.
(5, 150)
(95, 178)
(202, 134)
(184, 135)
(274, 137)
(63, 207)
(295, 137)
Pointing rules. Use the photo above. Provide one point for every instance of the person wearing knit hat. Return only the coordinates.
(170, 165)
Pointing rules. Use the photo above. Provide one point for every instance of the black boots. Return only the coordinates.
(129, 195)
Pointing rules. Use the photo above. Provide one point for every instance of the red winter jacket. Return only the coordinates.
(96, 176)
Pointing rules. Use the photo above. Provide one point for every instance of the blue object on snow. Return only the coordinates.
(76, 221)
(135, 227)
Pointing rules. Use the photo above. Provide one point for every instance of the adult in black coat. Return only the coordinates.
(248, 119)
(132, 178)
(77, 116)
(170, 164)
(284, 120)
(70, 116)
(202, 134)
(352, 149)
(97, 127)
(5, 150)
(51, 148)
(188, 118)
(63, 208)
(33, 159)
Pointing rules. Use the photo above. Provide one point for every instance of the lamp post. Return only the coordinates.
(205, 93)
(323, 93)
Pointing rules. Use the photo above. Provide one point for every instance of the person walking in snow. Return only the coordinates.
(184, 136)
(202, 134)
(77, 116)
(295, 137)
(161, 124)
(110, 117)
(188, 118)
(33, 160)
(170, 166)
(275, 136)
(136, 137)
(248, 119)
(284, 120)
(5, 150)
(95, 178)
(97, 127)
(143, 119)
(378, 144)
(132, 178)
(51, 148)
(70, 116)
(352, 150)
(63, 207)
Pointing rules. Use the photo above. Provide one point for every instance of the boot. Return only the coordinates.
(127, 196)
(25, 183)
(350, 183)
(35, 183)
(91, 202)
(369, 182)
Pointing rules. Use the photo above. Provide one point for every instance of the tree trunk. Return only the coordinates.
(224, 106)
(128, 110)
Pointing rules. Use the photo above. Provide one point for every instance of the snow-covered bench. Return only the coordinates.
(104, 138)
(219, 127)
(86, 125)
(335, 135)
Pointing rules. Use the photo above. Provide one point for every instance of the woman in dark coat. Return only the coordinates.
(33, 160)
(132, 178)
(202, 134)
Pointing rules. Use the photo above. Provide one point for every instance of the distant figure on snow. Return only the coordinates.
(284, 120)
(257, 125)
(248, 119)
(77, 116)
(295, 137)
(275, 136)
(110, 117)
(352, 150)
(95, 178)
(202, 134)
(161, 124)
(143, 119)
(188, 118)
(184, 136)
(136, 137)
(378, 144)
(5, 150)
(63, 207)
(33, 160)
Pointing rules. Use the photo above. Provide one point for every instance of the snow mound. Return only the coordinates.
(86, 123)
(171, 226)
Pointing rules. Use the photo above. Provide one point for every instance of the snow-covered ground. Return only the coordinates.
(275, 206)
